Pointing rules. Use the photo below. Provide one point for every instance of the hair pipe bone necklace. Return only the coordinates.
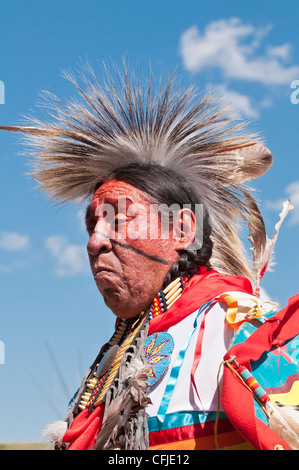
(125, 331)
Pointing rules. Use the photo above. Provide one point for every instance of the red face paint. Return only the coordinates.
(129, 265)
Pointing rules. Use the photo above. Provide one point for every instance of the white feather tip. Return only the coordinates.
(54, 432)
(284, 420)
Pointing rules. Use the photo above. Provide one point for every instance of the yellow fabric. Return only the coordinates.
(288, 398)
(236, 314)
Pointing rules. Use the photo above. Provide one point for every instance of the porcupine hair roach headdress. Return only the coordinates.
(123, 121)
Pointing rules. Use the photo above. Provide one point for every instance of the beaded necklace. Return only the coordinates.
(125, 330)
(100, 381)
(165, 298)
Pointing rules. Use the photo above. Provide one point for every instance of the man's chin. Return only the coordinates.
(111, 297)
(118, 305)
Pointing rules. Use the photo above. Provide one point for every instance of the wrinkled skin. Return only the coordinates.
(129, 266)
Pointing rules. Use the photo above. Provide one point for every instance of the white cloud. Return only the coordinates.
(282, 52)
(13, 241)
(234, 48)
(71, 259)
(12, 267)
(292, 193)
(239, 102)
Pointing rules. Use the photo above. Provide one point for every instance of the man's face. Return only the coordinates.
(128, 262)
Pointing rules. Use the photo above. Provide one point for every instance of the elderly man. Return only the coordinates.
(163, 175)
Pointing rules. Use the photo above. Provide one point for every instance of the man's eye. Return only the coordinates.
(89, 230)
(119, 220)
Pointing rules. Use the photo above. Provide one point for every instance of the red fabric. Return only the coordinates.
(192, 431)
(84, 429)
(201, 288)
(275, 331)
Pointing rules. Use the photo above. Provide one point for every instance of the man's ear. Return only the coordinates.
(184, 228)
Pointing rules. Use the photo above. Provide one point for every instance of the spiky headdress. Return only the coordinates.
(117, 122)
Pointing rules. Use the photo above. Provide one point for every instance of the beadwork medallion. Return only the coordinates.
(158, 349)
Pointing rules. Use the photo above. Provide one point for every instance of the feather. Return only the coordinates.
(257, 236)
(284, 420)
(109, 424)
(121, 120)
(263, 254)
(31, 130)
(54, 432)
(125, 423)
(123, 408)
(247, 162)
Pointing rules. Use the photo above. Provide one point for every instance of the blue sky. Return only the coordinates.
(49, 306)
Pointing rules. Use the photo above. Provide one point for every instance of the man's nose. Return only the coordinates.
(99, 241)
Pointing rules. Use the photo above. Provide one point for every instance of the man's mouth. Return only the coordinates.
(99, 273)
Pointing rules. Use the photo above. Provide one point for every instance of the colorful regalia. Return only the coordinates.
(187, 350)
(207, 365)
